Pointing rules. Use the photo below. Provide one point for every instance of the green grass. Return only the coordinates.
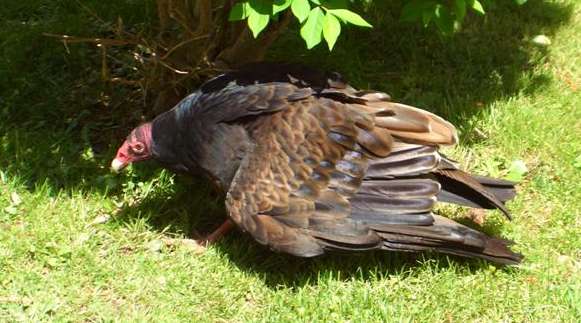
(60, 260)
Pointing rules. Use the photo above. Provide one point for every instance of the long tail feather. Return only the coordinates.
(449, 237)
(503, 190)
(462, 188)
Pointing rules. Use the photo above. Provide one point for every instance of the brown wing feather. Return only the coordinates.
(403, 121)
(327, 174)
(415, 125)
(293, 190)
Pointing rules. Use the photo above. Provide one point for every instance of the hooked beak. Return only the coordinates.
(117, 165)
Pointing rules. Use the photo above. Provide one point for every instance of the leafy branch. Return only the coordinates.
(322, 19)
(319, 19)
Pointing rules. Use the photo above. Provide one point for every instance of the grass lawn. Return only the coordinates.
(79, 244)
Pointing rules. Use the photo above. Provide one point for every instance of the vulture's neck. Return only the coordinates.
(170, 143)
(185, 141)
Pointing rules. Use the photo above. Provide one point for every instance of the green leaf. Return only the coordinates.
(414, 10)
(301, 9)
(331, 30)
(460, 9)
(520, 2)
(350, 17)
(427, 16)
(261, 6)
(280, 5)
(313, 27)
(476, 6)
(443, 19)
(239, 11)
(336, 4)
(517, 170)
(257, 21)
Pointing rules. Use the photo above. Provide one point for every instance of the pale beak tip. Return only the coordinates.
(117, 165)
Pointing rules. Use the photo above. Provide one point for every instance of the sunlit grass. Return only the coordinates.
(77, 243)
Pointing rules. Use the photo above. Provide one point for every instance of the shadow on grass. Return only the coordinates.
(194, 211)
(68, 143)
(285, 271)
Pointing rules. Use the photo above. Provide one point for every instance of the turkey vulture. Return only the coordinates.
(309, 164)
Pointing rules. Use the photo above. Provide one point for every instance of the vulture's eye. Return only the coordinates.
(138, 148)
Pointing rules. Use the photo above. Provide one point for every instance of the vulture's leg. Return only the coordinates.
(217, 234)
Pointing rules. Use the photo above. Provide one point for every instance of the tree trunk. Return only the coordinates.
(196, 41)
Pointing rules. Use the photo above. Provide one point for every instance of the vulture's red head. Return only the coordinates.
(137, 147)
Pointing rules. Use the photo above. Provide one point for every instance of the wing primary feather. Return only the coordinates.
(461, 186)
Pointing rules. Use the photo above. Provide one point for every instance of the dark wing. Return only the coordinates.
(291, 191)
(332, 173)
(272, 72)
(235, 102)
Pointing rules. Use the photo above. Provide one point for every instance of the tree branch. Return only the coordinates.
(203, 16)
(163, 16)
(247, 49)
(99, 41)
